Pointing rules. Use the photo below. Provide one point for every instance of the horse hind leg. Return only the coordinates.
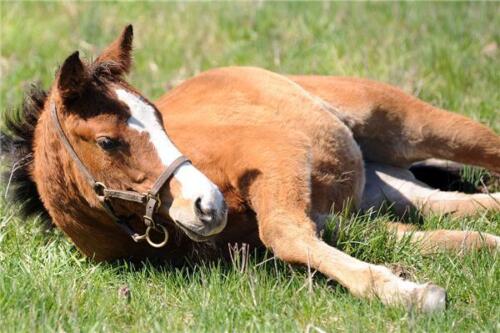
(431, 241)
(395, 128)
(450, 136)
(403, 192)
(429, 132)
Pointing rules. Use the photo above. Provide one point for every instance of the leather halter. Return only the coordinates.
(151, 199)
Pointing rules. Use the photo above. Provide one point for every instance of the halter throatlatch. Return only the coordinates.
(151, 199)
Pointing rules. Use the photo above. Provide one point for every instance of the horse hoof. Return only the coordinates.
(496, 244)
(433, 299)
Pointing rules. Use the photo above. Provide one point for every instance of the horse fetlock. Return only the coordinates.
(393, 291)
(381, 283)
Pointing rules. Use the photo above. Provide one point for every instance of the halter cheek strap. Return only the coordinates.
(151, 199)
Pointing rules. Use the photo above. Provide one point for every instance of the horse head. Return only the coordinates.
(120, 139)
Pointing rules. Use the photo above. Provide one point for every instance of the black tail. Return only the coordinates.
(16, 146)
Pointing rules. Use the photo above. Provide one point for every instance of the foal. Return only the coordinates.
(276, 154)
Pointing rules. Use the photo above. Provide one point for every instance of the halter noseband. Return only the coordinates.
(151, 199)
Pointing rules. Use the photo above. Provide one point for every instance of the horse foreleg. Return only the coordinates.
(399, 188)
(290, 235)
(285, 227)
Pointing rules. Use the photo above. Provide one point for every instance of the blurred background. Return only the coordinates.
(445, 53)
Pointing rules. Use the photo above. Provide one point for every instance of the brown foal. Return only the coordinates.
(271, 156)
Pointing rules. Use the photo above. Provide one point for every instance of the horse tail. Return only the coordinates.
(16, 146)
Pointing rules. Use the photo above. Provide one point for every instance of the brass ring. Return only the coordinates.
(163, 230)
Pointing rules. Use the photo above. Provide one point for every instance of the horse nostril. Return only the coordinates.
(197, 206)
(206, 215)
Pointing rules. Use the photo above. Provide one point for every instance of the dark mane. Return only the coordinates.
(16, 142)
(16, 146)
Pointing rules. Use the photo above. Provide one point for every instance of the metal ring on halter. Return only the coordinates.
(159, 228)
(99, 189)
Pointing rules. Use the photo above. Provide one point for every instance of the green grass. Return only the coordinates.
(433, 50)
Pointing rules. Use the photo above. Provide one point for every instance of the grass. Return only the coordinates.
(437, 51)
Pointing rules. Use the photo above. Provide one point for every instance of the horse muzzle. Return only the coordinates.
(201, 218)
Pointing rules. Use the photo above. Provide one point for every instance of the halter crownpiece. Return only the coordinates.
(151, 199)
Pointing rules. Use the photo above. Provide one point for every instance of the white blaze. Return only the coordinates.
(193, 183)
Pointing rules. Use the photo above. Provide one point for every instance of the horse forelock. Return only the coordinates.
(16, 145)
(106, 71)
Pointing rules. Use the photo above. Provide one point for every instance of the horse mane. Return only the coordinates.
(16, 142)
(16, 145)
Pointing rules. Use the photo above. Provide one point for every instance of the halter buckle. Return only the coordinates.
(156, 198)
(148, 221)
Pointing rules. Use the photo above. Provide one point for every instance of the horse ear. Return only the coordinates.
(119, 52)
(72, 77)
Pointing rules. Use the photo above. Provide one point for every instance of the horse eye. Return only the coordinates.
(107, 143)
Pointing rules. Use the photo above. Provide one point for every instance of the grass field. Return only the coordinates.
(444, 53)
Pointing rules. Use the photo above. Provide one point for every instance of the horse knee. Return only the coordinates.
(288, 235)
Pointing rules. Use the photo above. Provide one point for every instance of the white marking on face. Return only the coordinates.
(194, 184)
